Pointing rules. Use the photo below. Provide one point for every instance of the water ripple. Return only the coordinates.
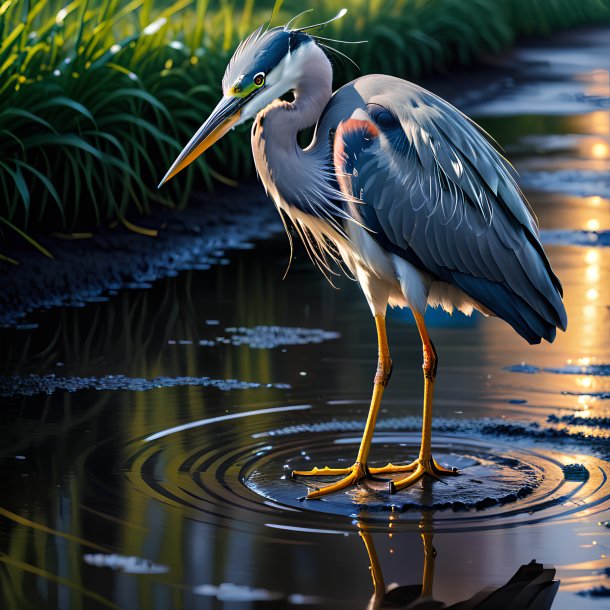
(238, 474)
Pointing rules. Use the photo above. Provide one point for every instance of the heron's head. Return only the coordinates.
(266, 65)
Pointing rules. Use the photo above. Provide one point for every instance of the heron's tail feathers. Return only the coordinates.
(530, 300)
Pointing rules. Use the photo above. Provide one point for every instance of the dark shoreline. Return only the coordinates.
(90, 270)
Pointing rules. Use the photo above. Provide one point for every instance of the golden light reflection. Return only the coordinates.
(592, 256)
(592, 224)
(592, 273)
(599, 150)
(583, 402)
(585, 271)
(585, 382)
(585, 361)
(600, 122)
(592, 294)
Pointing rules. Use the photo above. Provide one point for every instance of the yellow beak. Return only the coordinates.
(222, 119)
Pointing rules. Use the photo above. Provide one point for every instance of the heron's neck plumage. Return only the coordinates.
(291, 175)
(302, 182)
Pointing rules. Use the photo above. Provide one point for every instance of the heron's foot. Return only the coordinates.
(418, 470)
(351, 476)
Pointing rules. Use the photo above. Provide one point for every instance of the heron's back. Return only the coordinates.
(436, 193)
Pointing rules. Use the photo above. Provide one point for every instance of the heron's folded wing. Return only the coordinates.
(437, 193)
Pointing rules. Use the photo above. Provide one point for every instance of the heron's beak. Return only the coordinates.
(222, 119)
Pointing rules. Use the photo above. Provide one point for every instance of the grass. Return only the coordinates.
(95, 101)
(97, 97)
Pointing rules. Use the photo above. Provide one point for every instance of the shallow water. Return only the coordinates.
(148, 438)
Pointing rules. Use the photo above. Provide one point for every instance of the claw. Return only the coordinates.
(423, 467)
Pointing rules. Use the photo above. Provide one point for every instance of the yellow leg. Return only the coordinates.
(359, 469)
(425, 463)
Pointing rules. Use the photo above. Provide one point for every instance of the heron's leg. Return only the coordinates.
(425, 463)
(359, 469)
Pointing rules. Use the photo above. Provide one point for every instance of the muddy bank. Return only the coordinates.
(92, 270)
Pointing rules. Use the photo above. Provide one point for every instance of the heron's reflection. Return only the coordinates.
(532, 587)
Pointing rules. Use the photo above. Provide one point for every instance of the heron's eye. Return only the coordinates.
(259, 79)
(382, 116)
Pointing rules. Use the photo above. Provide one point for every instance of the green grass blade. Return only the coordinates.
(27, 238)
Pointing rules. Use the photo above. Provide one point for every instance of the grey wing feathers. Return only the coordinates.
(436, 192)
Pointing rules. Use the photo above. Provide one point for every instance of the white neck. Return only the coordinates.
(290, 174)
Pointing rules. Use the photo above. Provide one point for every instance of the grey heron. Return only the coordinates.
(399, 188)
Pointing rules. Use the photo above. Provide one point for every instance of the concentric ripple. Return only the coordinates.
(233, 473)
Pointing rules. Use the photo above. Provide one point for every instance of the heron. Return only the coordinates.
(401, 190)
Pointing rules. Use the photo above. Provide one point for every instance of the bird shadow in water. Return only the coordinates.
(532, 587)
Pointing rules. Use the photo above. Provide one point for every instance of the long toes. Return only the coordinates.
(406, 482)
(321, 472)
(394, 469)
(318, 492)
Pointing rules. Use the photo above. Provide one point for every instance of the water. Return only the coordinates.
(148, 439)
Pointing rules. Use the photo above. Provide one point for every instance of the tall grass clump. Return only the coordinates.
(96, 100)
(97, 97)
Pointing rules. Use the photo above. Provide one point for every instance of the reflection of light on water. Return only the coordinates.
(584, 402)
(592, 256)
(592, 276)
(585, 382)
(592, 224)
(600, 122)
(599, 150)
(596, 200)
(592, 273)
(592, 294)
(585, 361)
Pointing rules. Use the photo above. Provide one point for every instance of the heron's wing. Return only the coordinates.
(436, 192)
